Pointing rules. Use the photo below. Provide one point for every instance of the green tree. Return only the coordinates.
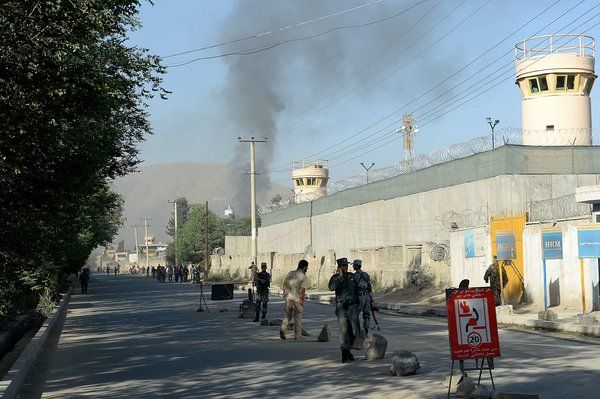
(191, 244)
(73, 99)
(183, 210)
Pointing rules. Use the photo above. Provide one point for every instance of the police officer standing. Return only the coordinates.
(262, 280)
(364, 290)
(346, 307)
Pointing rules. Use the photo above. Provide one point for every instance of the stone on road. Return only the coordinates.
(404, 363)
(132, 337)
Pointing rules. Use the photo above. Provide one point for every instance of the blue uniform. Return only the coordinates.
(346, 308)
(363, 285)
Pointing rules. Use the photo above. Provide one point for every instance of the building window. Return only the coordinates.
(543, 83)
(533, 85)
(587, 87)
(560, 82)
(571, 82)
(549, 128)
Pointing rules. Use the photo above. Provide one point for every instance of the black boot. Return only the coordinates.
(344, 355)
(256, 318)
(349, 355)
(264, 315)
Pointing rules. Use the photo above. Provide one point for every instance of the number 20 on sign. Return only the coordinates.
(472, 324)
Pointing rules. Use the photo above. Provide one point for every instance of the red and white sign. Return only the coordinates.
(472, 324)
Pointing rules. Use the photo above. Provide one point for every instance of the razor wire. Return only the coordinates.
(514, 136)
(557, 208)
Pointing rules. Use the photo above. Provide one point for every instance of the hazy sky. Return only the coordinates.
(309, 95)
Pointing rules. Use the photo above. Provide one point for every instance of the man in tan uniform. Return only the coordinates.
(292, 288)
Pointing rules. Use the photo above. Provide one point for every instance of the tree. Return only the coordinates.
(183, 210)
(191, 244)
(73, 99)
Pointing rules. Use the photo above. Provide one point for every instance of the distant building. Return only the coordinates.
(229, 213)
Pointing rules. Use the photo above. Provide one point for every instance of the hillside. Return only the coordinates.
(148, 191)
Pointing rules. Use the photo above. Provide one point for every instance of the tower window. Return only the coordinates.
(560, 82)
(533, 85)
(571, 82)
(549, 128)
(587, 87)
(543, 83)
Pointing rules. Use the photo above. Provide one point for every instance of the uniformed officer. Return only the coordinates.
(492, 274)
(262, 280)
(346, 307)
(365, 293)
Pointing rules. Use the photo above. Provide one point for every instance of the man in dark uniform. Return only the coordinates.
(365, 293)
(346, 307)
(262, 281)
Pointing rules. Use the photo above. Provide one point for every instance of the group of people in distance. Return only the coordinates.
(353, 296)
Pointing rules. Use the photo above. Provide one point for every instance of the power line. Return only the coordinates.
(277, 44)
(421, 96)
(280, 29)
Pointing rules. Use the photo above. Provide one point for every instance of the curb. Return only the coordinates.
(13, 379)
(583, 329)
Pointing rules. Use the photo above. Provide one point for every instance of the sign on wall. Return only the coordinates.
(552, 245)
(472, 323)
(506, 247)
(474, 241)
(588, 240)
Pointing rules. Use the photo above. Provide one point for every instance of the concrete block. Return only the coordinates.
(504, 309)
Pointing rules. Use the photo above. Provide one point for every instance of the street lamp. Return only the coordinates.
(367, 169)
(488, 120)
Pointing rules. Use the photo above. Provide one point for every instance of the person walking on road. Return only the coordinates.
(170, 273)
(492, 275)
(84, 279)
(262, 281)
(346, 307)
(292, 286)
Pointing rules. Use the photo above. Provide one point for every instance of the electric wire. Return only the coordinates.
(277, 44)
(275, 169)
(272, 31)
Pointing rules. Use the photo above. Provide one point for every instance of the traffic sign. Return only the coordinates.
(472, 323)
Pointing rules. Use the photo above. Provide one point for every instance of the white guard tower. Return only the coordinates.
(555, 74)
(310, 180)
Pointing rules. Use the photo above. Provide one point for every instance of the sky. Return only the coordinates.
(321, 97)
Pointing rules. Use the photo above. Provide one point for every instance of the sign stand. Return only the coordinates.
(463, 370)
(473, 330)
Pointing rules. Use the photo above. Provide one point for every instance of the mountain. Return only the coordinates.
(147, 192)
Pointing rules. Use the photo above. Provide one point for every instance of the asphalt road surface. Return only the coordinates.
(131, 337)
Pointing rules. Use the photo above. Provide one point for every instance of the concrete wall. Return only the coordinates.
(469, 268)
(563, 276)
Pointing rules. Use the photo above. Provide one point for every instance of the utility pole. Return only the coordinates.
(367, 169)
(146, 239)
(175, 204)
(206, 240)
(409, 130)
(253, 140)
(137, 246)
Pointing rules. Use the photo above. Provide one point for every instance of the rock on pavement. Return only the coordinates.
(325, 334)
(404, 363)
(376, 348)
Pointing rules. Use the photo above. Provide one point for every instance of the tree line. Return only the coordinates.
(73, 106)
(191, 232)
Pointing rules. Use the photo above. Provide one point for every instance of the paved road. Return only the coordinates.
(132, 337)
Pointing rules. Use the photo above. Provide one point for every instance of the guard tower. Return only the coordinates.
(310, 180)
(555, 74)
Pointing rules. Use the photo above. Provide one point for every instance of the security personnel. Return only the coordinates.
(365, 293)
(346, 307)
(492, 274)
(262, 281)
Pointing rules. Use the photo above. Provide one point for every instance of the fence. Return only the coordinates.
(436, 157)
